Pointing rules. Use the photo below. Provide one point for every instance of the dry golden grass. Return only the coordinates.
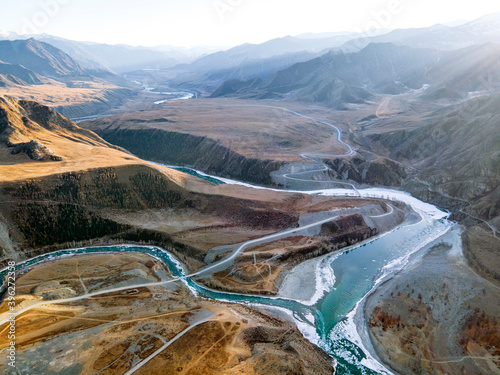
(54, 93)
(77, 158)
(247, 127)
(80, 149)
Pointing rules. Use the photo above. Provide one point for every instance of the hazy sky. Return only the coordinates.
(224, 22)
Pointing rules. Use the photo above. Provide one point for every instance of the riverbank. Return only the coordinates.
(436, 315)
(105, 335)
(362, 250)
(393, 249)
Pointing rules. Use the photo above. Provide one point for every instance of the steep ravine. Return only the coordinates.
(106, 101)
(455, 156)
(194, 151)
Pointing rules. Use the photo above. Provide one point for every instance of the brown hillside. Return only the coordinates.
(30, 133)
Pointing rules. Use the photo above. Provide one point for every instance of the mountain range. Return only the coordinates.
(250, 61)
(118, 58)
(483, 30)
(208, 67)
(339, 78)
(42, 58)
(31, 69)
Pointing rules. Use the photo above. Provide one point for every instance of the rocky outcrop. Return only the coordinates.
(23, 121)
(347, 230)
(366, 169)
(35, 150)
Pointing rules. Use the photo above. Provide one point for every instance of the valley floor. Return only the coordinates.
(162, 329)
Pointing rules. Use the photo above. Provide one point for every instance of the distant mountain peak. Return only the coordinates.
(439, 26)
(486, 25)
(492, 17)
(40, 57)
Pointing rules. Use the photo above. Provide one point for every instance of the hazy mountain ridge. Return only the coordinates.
(464, 73)
(240, 61)
(118, 58)
(18, 74)
(248, 70)
(248, 61)
(30, 60)
(40, 57)
(31, 69)
(274, 47)
(337, 78)
(125, 58)
(480, 31)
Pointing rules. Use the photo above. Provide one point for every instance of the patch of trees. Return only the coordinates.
(162, 240)
(103, 188)
(155, 190)
(384, 319)
(47, 224)
(482, 329)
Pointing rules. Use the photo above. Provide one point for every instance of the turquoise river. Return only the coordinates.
(342, 279)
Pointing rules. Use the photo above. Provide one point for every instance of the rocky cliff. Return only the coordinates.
(366, 168)
(195, 151)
